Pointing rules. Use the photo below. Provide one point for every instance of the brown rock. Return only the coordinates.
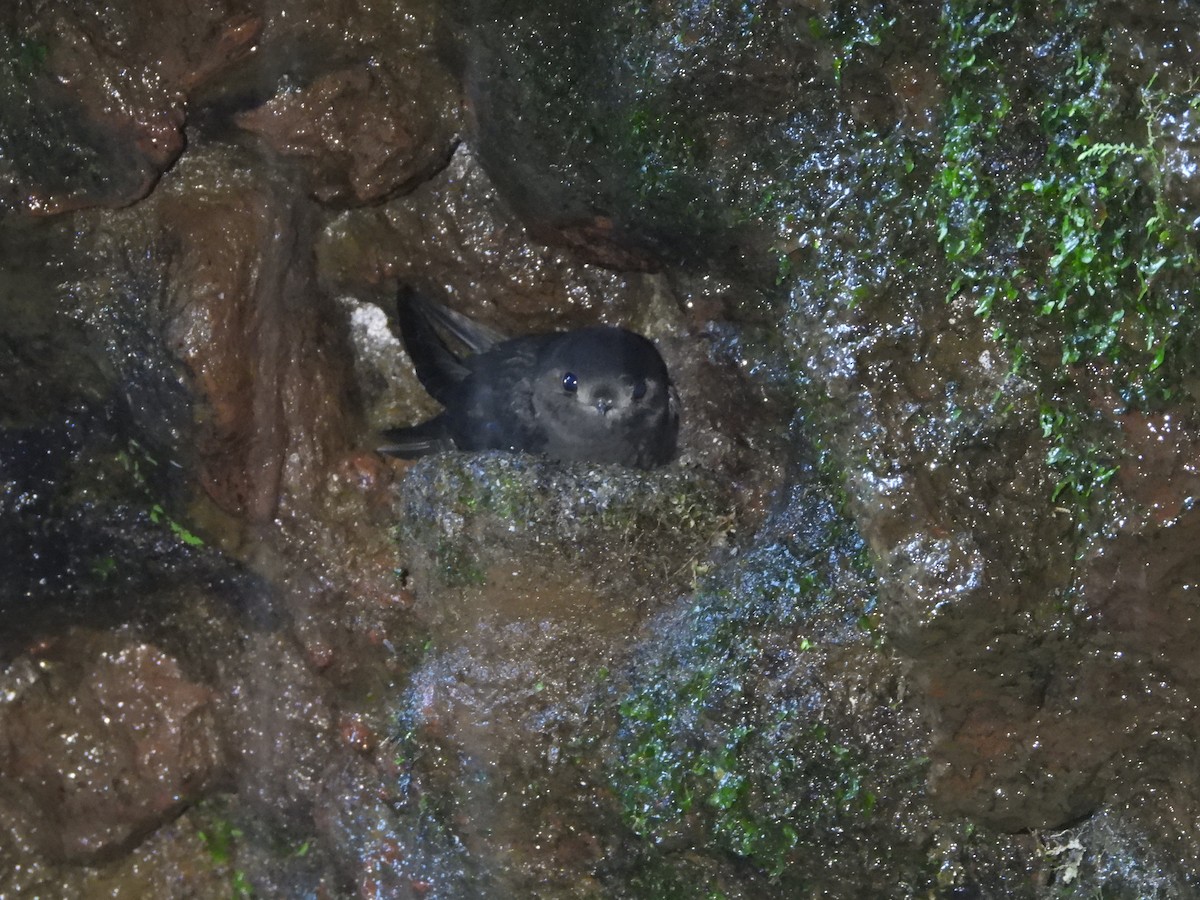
(455, 237)
(1160, 468)
(260, 344)
(101, 111)
(104, 739)
(362, 133)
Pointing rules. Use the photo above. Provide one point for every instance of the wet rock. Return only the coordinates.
(747, 709)
(92, 109)
(282, 726)
(387, 849)
(47, 368)
(180, 858)
(625, 163)
(574, 727)
(488, 534)
(1069, 731)
(497, 723)
(455, 236)
(982, 576)
(263, 352)
(53, 388)
(215, 298)
(174, 861)
(971, 556)
(1152, 42)
(1162, 469)
(1122, 850)
(391, 391)
(981, 572)
(67, 160)
(530, 576)
(341, 577)
(363, 133)
(104, 739)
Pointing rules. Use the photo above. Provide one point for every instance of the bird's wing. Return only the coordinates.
(475, 336)
(438, 368)
(492, 407)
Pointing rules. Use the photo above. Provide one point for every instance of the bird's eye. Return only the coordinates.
(639, 389)
(570, 383)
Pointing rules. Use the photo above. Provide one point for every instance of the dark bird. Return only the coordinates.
(598, 394)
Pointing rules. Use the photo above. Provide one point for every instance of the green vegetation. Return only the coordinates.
(763, 786)
(141, 467)
(158, 515)
(21, 58)
(221, 839)
(30, 56)
(104, 568)
(704, 758)
(1053, 213)
(846, 29)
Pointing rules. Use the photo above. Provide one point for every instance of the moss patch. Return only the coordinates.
(1055, 217)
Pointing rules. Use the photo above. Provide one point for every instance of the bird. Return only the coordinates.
(599, 395)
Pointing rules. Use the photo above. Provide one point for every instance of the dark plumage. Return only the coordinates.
(598, 395)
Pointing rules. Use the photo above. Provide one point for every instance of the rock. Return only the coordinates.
(364, 133)
(102, 739)
(624, 133)
(455, 237)
(265, 355)
(486, 537)
(92, 102)
(282, 727)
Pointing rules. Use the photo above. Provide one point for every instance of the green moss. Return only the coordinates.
(28, 56)
(1074, 243)
(457, 565)
(762, 785)
(22, 57)
(221, 837)
(703, 755)
(145, 480)
(845, 27)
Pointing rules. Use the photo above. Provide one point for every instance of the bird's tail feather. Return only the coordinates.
(409, 442)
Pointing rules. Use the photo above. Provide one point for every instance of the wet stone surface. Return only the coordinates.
(92, 111)
(519, 538)
(531, 577)
(362, 133)
(911, 616)
(103, 742)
